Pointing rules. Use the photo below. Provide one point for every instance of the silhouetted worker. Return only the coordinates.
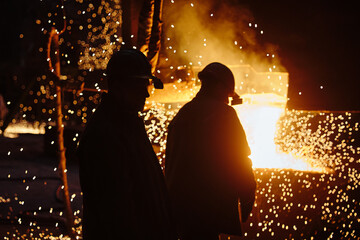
(124, 192)
(207, 166)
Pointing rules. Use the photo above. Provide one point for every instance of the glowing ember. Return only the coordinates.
(22, 127)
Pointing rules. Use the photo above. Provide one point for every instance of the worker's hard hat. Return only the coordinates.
(129, 65)
(218, 72)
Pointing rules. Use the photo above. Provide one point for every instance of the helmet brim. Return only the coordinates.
(156, 82)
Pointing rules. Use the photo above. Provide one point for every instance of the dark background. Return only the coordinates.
(318, 45)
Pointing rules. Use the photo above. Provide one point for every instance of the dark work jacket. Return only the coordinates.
(124, 192)
(207, 169)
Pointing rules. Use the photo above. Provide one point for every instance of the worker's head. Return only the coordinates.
(129, 76)
(217, 81)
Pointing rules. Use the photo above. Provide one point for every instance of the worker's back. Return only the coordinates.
(207, 169)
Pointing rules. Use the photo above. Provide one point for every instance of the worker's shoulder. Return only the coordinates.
(223, 114)
(207, 103)
(205, 109)
(100, 126)
(219, 108)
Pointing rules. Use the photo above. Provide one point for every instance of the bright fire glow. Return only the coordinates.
(259, 120)
(259, 115)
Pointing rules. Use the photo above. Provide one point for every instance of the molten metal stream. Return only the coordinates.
(259, 116)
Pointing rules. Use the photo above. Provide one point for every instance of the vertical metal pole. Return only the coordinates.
(155, 39)
(142, 27)
(54, 38)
